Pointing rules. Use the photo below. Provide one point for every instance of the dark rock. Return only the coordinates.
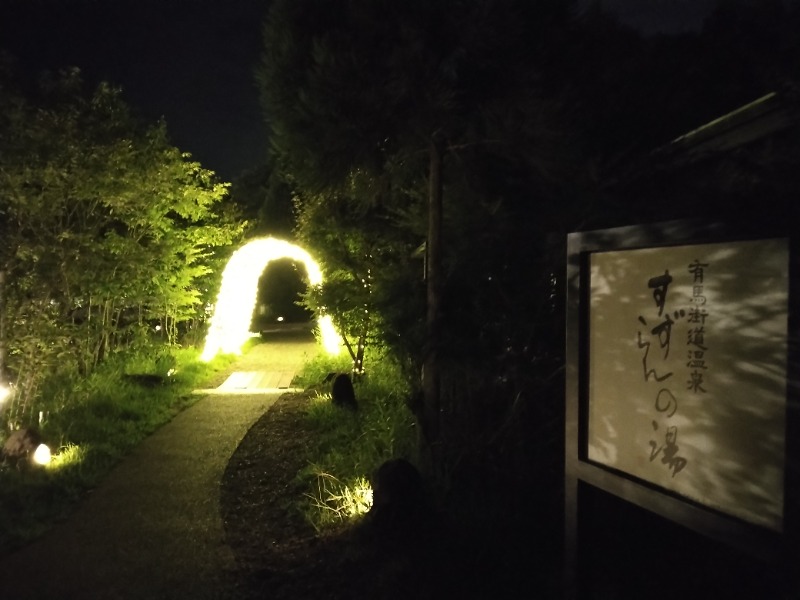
(342, 392)
(398, 495)
(21, 444)
(145, 379)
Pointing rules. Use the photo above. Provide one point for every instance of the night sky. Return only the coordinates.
(192, 61)
(659, 16)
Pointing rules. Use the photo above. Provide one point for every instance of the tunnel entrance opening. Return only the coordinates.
(231, 321)
(280, 290)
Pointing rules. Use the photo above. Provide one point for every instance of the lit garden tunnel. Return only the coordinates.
(236, 302)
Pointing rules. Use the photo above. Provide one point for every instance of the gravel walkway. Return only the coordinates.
(152, 529)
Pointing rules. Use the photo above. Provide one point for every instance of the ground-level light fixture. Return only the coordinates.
(42, 455)
(231, 319)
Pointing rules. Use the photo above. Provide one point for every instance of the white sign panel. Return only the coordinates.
(687, 371)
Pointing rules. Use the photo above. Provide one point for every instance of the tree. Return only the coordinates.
(370, 87)
(362, 250)
(107, 229)
(266, 199)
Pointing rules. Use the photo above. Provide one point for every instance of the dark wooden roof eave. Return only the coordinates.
(761, 118)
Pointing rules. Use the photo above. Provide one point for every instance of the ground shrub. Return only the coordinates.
(350, 445)
(90, 424)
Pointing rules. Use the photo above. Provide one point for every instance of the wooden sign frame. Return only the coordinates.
(776, 546)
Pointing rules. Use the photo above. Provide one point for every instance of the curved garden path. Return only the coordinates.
(152, 529)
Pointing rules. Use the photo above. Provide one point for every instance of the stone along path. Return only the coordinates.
(152, 529)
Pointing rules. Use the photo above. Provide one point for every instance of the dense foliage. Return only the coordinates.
(108, 233)
(362, 249)
(525, 121)
(421, 126)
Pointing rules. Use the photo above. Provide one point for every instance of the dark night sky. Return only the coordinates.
(192, 61)
(659, 16)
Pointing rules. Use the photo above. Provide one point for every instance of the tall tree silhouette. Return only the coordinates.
(355, 86)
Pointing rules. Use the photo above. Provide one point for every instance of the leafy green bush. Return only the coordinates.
(111, 239)
(318, 368)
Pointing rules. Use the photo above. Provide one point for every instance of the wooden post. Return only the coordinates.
(431, 368)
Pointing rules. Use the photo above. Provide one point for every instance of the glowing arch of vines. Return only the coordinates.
(230, 323)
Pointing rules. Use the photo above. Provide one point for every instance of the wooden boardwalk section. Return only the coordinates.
(255, 382)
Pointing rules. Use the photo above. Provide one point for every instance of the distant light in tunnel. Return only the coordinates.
(230, 323)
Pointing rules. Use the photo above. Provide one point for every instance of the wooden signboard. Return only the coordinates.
(681, 397)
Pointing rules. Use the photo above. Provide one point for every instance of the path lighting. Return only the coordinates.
(230, 323)
(330, 338)
(5, 392)
(41, 455)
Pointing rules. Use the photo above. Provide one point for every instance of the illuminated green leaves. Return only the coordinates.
(106, 230)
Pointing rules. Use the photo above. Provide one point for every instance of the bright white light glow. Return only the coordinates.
(330, 338)
(230, 323)
(363, 492)
(5, 392)
(42, 455)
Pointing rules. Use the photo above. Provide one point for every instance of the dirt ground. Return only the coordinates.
(279, 556)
